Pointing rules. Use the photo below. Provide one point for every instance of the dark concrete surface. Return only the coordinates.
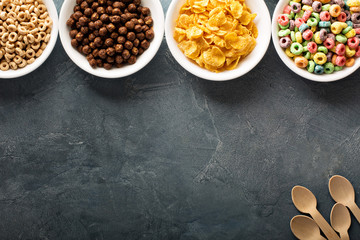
(164, 155)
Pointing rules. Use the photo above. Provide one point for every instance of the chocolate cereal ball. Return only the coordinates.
(110, 33)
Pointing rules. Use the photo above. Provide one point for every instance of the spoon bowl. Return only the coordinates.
(304, 227)
(303, 199)
(342, 191)
(340, 220)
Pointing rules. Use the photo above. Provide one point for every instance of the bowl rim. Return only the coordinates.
(9, 74)
(196, 70)
(126, 70)
(291, 65)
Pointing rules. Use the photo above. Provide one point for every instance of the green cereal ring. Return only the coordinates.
(305, 43)
(325, 7)
(305, 49)
(292, 15)
(341, 38)
(329, 68)
(312, 22)
(323, 49)
(307, 55)
(316, 16)
(346, 30)
(299, 14)
(289, 16)
(296, 48)
(311, 66)
(284, 27)
(338, 68)
(292, 36)
(283, 33)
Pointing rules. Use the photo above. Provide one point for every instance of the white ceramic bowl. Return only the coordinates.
(54, 34)
(262, 21)
(79, 59)
(290, 63)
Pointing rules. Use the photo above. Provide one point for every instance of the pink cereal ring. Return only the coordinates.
(283, 20)
(306, 15)
(312, 47)
(357, 54)
(287, 9)
(342, 17)
(329, 43)
(340, 61)
(299, 22)
(357, 30)
(340, 49)
(308, 34)
(353, 42)
(325, 16)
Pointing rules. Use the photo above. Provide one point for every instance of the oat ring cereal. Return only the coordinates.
(216, 34)
(25, 30)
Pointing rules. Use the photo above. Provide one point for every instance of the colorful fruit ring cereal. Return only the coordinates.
(321, 36)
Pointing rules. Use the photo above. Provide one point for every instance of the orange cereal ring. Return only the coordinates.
(355, 9)
(301, 62)
(350, 62)
(335, 10)
(333, 59)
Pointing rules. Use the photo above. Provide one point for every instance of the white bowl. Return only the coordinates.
(40, 60)
(262, 21)
(290, 63)
(79, 59)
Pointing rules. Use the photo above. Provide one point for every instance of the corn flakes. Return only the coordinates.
(216, 34)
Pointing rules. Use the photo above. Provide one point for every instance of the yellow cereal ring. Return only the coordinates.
(317, 38)
(336, 28)
(349, 52)
(289, 53)
(351, 33)
(353, 3)
(306, 7)
(298, 37)
(320, 58)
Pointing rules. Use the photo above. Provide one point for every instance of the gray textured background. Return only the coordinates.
(165, 155)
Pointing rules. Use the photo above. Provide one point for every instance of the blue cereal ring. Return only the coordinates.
(303, 27)
(319, 69)
(324, 24)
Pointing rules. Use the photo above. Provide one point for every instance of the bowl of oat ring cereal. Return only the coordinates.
(111, 38)
(28, 33)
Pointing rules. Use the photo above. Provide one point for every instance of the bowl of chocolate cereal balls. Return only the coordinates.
(28, 33)
(111, 38)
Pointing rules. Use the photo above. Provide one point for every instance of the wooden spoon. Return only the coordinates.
(304, 228)
(305, 201)
(343, 192)
(340, 220)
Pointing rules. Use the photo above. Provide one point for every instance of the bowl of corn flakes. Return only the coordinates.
(30, 35)
(218, 40)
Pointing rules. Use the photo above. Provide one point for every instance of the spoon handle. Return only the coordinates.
(324, 225)
(344, 236)
(355, 211)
